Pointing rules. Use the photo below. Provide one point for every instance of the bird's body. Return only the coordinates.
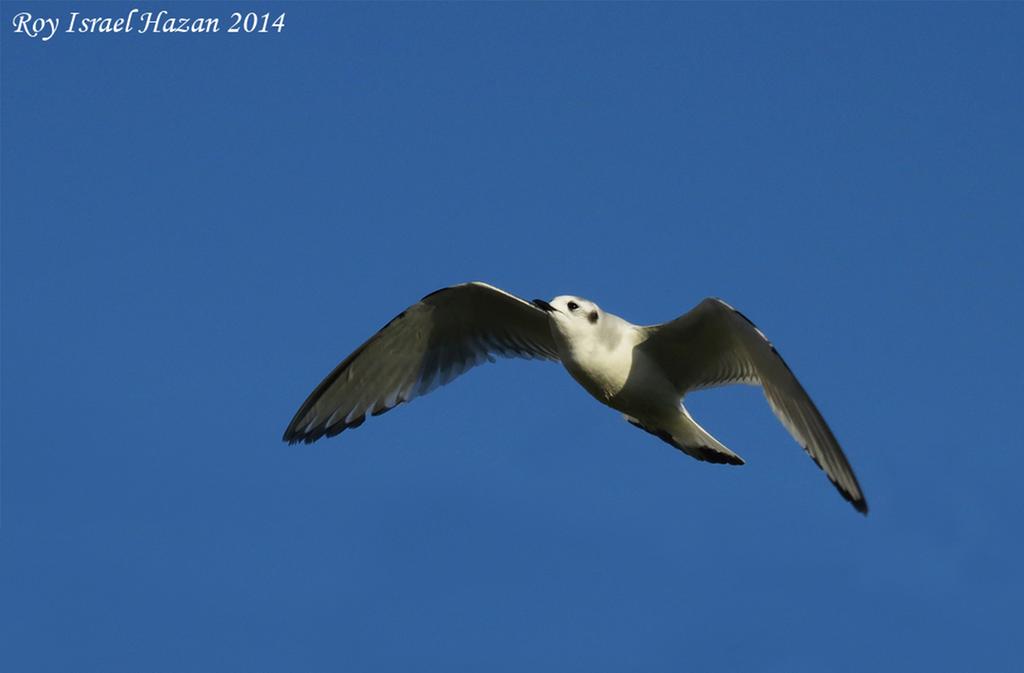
(610, 366)
(642, 372)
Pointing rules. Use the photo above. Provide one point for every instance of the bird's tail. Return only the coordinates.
(684, 433)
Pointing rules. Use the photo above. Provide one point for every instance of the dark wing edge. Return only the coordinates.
(440, 337)
(734, 350)
(829, 456)
(298, 432)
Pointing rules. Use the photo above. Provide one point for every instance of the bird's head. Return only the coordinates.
(571, 316)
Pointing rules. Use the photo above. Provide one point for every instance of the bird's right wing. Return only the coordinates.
(427, 345)
(714, 345)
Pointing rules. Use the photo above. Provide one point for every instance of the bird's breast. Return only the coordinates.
(626, 381)
(602, 373)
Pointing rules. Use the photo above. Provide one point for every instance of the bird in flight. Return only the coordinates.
(644, 372)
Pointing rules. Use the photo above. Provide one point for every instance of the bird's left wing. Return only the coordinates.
(714, 345)
(427, 345)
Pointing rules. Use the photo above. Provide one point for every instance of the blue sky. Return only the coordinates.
(196, 229)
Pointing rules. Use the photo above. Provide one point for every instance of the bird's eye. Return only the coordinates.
(572, 306)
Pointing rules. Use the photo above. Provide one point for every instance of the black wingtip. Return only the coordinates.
(293, 435)
(858, 501)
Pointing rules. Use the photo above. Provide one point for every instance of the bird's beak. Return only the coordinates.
(543, 305)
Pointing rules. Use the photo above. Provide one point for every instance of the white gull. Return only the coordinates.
(643, 372)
